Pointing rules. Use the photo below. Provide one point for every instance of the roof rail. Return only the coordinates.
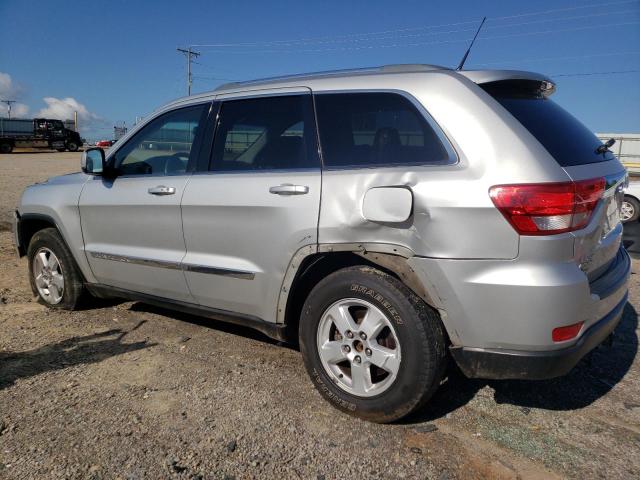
(399, 68)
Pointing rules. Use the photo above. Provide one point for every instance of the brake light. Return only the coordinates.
(548, 208)
(562, 334)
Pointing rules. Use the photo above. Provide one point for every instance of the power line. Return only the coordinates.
(586, 74)
(392, 36)
(573, 29)
(189, 54)
(207, 77)
(566, 9)
(358, 36)
(568, 57)
(437, 42)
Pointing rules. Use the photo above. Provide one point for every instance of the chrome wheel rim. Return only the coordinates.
(627, 211)
(47, 273)
(358, 347)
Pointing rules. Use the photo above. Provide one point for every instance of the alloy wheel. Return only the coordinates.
(48, 276)
(358, 347)
(627, 211)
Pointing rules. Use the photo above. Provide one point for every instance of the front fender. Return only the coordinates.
(57, 204)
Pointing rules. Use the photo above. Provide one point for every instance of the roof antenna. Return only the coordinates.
(466, 54)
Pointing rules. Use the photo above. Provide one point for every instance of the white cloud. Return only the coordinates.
(19, 110)
(9, 90)
(64, 108)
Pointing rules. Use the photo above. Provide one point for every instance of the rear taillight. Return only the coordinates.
(548, 208)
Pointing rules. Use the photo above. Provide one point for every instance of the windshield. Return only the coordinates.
(559, 132)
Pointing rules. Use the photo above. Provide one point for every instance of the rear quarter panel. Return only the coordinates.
(453, 215)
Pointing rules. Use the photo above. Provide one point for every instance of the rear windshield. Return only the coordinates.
(564, 137)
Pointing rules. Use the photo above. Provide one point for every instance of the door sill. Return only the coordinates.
(277, 331)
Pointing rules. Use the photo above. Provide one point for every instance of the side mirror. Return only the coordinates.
(92, 161)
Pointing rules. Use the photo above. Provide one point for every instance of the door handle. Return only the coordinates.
(162, 190)
(289, 189)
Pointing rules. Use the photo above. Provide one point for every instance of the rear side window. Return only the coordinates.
(266, 133)
(559, 132)
(375, 129)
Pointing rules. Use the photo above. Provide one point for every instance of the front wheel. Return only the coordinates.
(72, 146)
(630, 211)
(371, 346)
(53, 273)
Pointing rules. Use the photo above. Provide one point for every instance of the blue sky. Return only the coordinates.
(118, 58)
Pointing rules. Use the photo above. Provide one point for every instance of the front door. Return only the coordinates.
(131, 224)
(257, 205)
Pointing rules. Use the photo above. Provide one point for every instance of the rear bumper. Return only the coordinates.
(535, 365)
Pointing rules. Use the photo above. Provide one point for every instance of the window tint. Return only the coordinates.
(562, 135)
(265, 133)
(163, 147)
(368, 129)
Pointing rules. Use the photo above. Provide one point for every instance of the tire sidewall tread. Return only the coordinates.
(73, 284)
(636, 207)
(417, 326)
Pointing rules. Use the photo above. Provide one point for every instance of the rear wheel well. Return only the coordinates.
(317, 266)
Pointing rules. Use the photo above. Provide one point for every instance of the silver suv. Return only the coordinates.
(387, 219)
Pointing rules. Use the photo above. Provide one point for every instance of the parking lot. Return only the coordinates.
(126, 390)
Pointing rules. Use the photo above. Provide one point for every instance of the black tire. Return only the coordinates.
(72, 146)
(635, 205)
(418, 329)
(73, 285)
(6, 147)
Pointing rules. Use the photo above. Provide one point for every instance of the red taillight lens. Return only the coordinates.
(562, 334)
(548, 208)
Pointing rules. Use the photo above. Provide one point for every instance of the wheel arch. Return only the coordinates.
(29, 224)
(310, 265)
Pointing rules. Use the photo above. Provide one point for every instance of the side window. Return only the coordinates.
(162, 147)
(265, 134)
(369, 129)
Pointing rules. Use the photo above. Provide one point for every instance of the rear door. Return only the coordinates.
(131, 224)
(257, 204)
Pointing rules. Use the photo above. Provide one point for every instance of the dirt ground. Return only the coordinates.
(125, 390)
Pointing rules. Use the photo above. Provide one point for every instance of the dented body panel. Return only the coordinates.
(433, 225)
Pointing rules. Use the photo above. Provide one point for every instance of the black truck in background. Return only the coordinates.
(37, 133)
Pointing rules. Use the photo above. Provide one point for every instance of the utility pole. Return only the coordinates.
(189, 54)
(8, 102)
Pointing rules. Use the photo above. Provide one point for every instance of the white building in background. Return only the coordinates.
(626, 148)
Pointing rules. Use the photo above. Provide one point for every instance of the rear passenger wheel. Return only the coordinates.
(6, 147)
(53, 273)
(371, 346)
(630, 210)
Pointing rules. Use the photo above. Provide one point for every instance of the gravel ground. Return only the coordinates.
(125, 390)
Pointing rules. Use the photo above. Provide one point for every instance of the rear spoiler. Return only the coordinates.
(511, 79)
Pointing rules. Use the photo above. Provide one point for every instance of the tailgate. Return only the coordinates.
(597, 245)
